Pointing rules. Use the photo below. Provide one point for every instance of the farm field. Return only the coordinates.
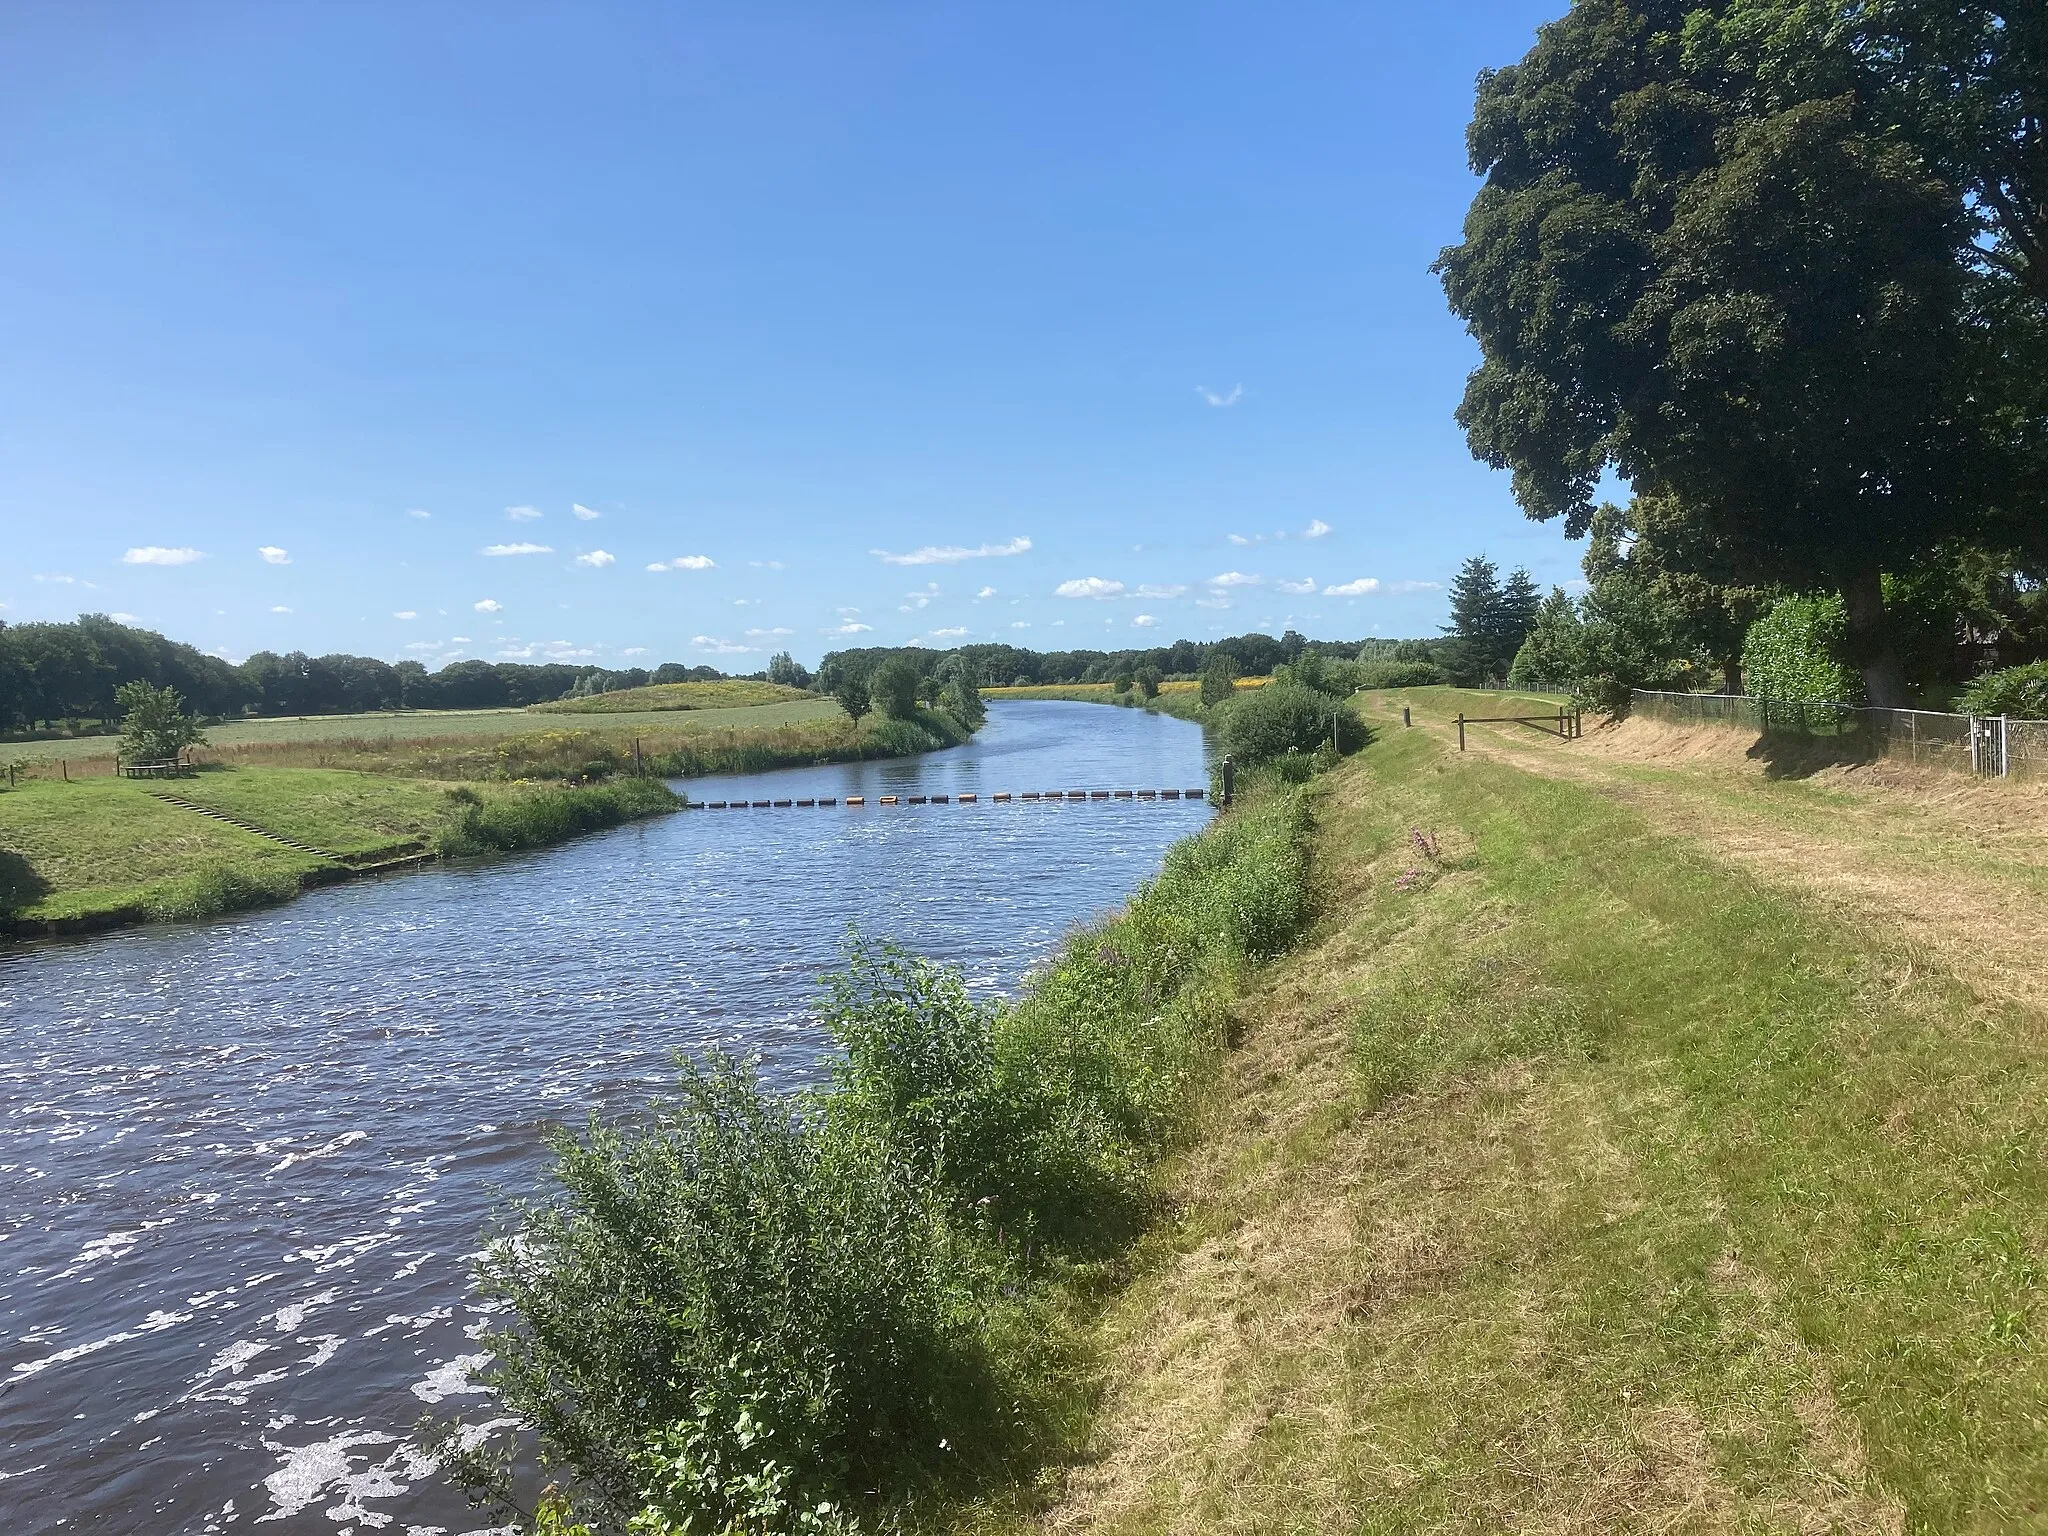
(1640, 1142)
(728, 693)
(385, 731)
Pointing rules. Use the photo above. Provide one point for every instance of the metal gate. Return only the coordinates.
(1987, 746)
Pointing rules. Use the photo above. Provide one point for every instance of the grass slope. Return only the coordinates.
(353, 814)
(732, 693)
(1576, 1179)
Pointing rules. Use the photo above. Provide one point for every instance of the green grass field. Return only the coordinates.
(353, 814)
(385, 730)
(730, 693)
(1589, 1171)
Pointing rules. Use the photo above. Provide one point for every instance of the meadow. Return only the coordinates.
(726, 693)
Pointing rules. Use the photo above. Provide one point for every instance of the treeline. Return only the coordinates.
(1782, 266)
(1000, 666)
(57, 673)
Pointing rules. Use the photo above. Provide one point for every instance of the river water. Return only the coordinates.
(245, 1164)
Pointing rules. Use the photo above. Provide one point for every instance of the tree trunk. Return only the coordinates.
(1731, 673)
(1870, 642)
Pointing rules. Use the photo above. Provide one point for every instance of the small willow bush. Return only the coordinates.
(754, 1313)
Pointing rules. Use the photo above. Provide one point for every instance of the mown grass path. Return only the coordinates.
(1584, 1177)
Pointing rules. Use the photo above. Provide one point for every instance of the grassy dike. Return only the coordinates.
(1567, 1179)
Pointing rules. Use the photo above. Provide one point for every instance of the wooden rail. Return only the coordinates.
(1000, 797)
(1566, 723)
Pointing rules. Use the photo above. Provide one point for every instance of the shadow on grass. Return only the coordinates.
(1788, 755)
(20, 885)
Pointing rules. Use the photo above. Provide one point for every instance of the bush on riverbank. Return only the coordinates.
(547, 814)
(747, 1313)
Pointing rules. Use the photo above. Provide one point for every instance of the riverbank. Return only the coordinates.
(89, 853)
(1579, 1172)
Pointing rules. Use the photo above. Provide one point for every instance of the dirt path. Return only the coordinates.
(1956, 867)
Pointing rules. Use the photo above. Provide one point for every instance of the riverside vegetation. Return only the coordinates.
(869, 1303)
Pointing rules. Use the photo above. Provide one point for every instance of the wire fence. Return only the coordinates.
(1993, 746)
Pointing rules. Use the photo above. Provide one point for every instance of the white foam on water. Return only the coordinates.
(310, 1470)
(451, 1378)
(345, 1139)
(156, 1322)
(325, 1347)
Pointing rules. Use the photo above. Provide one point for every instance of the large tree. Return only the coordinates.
(1704, 259)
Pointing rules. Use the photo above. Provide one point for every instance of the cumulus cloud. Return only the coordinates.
(584, 514)
(1021, 624)
(279, 608)
(949, 634)
(124, 618)
(1316, 529)
(685, 563)
(634, 650)
(62, 581)
(850, 627)
(1154, 589)
(1236, 394)
(1306, 584)
(405, 613)
(718, 647)
(1364, 586)
(1089, 586)
(523, 514)
(1231, 579)
(769, 634)
(156, 554)
(517, 549)
(419, 512)
(596, 560)
(1144, 621)
(1240, 540)
(272, 555)
(489, 605)
(984, 592)
(952, 554)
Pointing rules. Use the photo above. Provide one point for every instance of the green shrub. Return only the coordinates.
(537, 817)
(894, 687)
(743, 1313)
(1400, 674)
(2021, 691)
(1794, 653)
(1268, 722)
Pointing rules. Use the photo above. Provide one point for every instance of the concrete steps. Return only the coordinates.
(235, 821)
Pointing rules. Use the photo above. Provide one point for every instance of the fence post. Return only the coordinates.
(1405, 720)
(1461, 730)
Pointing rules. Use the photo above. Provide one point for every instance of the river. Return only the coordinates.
(245, 1164)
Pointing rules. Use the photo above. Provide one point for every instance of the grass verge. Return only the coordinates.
(1573, 1180)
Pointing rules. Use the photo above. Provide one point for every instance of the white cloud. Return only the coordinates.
(1212, 602)
(124, 618)
(156, 554)
(687, 563)
(850, 627)
(952, 554)
(847, 613)
(1306, 584)
(1231, 579)
(1144, 621)
(1150, 589)
(948, 634)
(523, 514)
(984, 592)
(1362, 587)
(279, 608)
(584, 514)
(766, 565)
(419, 512)
(1316, 529)
(718, 647)
(272, 555)
(1239, 539)
(517, 549)
(489, 605)
(1021, 624)
(634, 650)
(1236, 394)
(596, 560)
(769, 634)
(62, 581)
(405, 613)
(1402, 588)
(1089, 586)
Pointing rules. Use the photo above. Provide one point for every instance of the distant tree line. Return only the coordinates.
(53, 673)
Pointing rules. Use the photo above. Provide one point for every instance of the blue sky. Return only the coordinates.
(616, 333)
